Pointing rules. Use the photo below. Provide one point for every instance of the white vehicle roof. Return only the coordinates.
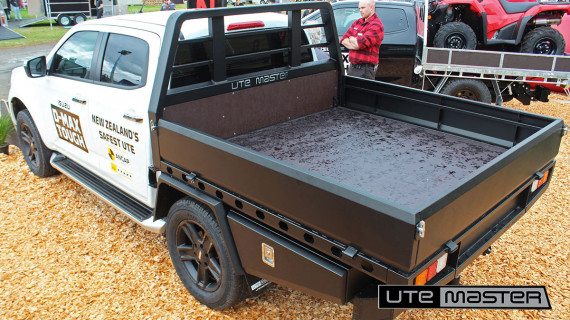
(156, 22)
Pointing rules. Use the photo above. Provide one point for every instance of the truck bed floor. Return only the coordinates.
(400, 162)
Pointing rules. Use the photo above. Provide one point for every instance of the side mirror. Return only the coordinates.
(36, 67)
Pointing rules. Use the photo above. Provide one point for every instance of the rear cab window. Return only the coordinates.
(247, 50)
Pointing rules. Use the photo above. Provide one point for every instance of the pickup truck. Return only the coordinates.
(261, 163)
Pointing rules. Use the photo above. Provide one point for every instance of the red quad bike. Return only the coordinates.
(522, 26)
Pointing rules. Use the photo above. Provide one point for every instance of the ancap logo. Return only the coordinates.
(111, 154)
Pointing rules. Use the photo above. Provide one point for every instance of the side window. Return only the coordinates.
(74, 57)
(344, 18)
(316, 35)
(125, 61)
(242, 52)
(394, 20)
(246, 53)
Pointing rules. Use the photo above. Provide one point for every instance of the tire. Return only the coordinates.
(64, 20)
(468, 89)
(455, 35)
(543, 40)
(35, 152)
(78, 18)
(200, 257)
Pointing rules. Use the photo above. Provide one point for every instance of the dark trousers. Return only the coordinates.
(367, 71)
(99, 13)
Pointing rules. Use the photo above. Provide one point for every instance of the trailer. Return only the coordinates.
(70, 12)
(487, 76)
(66, 12)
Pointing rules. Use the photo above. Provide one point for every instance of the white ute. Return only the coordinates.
(91, 104)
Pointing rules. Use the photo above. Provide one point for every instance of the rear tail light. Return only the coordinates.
(245, 25)
(540, 181)
(432, 270)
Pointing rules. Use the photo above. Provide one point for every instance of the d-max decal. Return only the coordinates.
(68, 127)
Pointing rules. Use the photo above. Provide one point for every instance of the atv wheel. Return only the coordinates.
(470, 89)
(455, 35)
(543, 40)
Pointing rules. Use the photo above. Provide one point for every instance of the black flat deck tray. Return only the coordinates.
(402, 163)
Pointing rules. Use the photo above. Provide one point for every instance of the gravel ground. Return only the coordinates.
(66, 254)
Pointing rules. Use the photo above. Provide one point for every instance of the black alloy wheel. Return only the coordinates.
(199, 255)
(36, 154)
(29, 145)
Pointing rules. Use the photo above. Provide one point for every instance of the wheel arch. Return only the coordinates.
(170, 190)
(17, 106)
(470, 15)
(523, 28)
(476, 17)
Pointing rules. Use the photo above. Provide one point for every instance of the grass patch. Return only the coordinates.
(36, 34)
(6, 127)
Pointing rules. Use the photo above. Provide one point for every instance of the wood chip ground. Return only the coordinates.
(65, 254)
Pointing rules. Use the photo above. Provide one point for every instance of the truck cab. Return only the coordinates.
(98, 82)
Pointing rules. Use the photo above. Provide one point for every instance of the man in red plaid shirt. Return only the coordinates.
(363, 41)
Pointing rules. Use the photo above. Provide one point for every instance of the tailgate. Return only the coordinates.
(477, 213)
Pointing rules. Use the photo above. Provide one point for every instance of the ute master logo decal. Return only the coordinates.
(257, 81)
(68, 127)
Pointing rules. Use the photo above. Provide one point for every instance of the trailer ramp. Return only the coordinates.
(7, 34)
(29, 22)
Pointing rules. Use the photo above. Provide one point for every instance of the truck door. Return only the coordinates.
(119, 110)
(65, 94)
